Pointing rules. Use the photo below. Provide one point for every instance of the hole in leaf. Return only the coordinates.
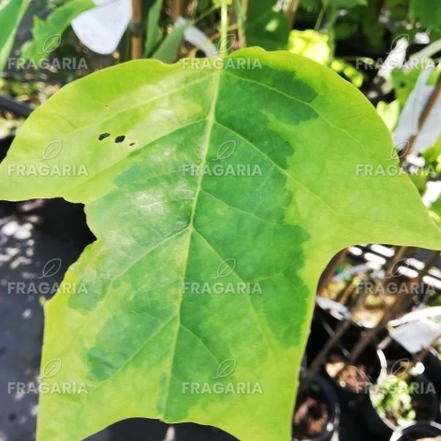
(132, 143)
(103, 136)
(119, 139)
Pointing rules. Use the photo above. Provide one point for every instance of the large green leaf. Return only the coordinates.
(47, 34)
(428, 12)
(139, 336)
(11, 13)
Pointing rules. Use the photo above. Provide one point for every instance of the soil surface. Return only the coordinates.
(311, 416)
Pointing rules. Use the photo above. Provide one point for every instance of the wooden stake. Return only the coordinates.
(136, 29)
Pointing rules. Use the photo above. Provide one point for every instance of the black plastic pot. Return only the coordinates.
(432, 363)
(373, 358)
(416, 431)
(432, 368)
(333, 407)
(323, 326)
(5, 143)
(385, 428)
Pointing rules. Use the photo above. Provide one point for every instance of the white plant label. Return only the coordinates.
(102, 28)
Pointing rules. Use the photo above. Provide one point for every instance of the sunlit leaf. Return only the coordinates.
(144, 340)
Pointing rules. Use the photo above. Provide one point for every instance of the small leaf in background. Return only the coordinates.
(266, 27)
(310, 44)
(390, 112)
(427, 12)
(347, 70)
(168, 50)
(51, 151)
(51, 43)
(47, 34)
(154, 32)
(12, 12)
(226, 368)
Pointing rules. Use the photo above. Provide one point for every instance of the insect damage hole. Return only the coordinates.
(119, 139)
(103, 136)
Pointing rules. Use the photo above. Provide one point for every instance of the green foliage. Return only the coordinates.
(392, 398)
(47, 34)
(141, 332)
(311, 44)
(168, 50)
(11, 13)
(154, 32)
(390, 112)
(266, 27)
(427, 12)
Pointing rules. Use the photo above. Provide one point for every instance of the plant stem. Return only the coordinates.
(292, 11)
(204, 14)
(241, 7)
(136, 33)
(224, 26)
(320, 17)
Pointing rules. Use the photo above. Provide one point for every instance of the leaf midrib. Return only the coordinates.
(210, 124)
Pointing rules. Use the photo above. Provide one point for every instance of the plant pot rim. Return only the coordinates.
(398, 433)
(383, 364)
(397, 428)
(333, 405)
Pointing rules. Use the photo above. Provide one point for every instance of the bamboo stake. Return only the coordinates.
(136, 29)
(397, 257)
(292, 11)
(178, 9)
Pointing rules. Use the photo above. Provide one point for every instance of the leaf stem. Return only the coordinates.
(320, 17)
(224, 27)
(204, 14)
